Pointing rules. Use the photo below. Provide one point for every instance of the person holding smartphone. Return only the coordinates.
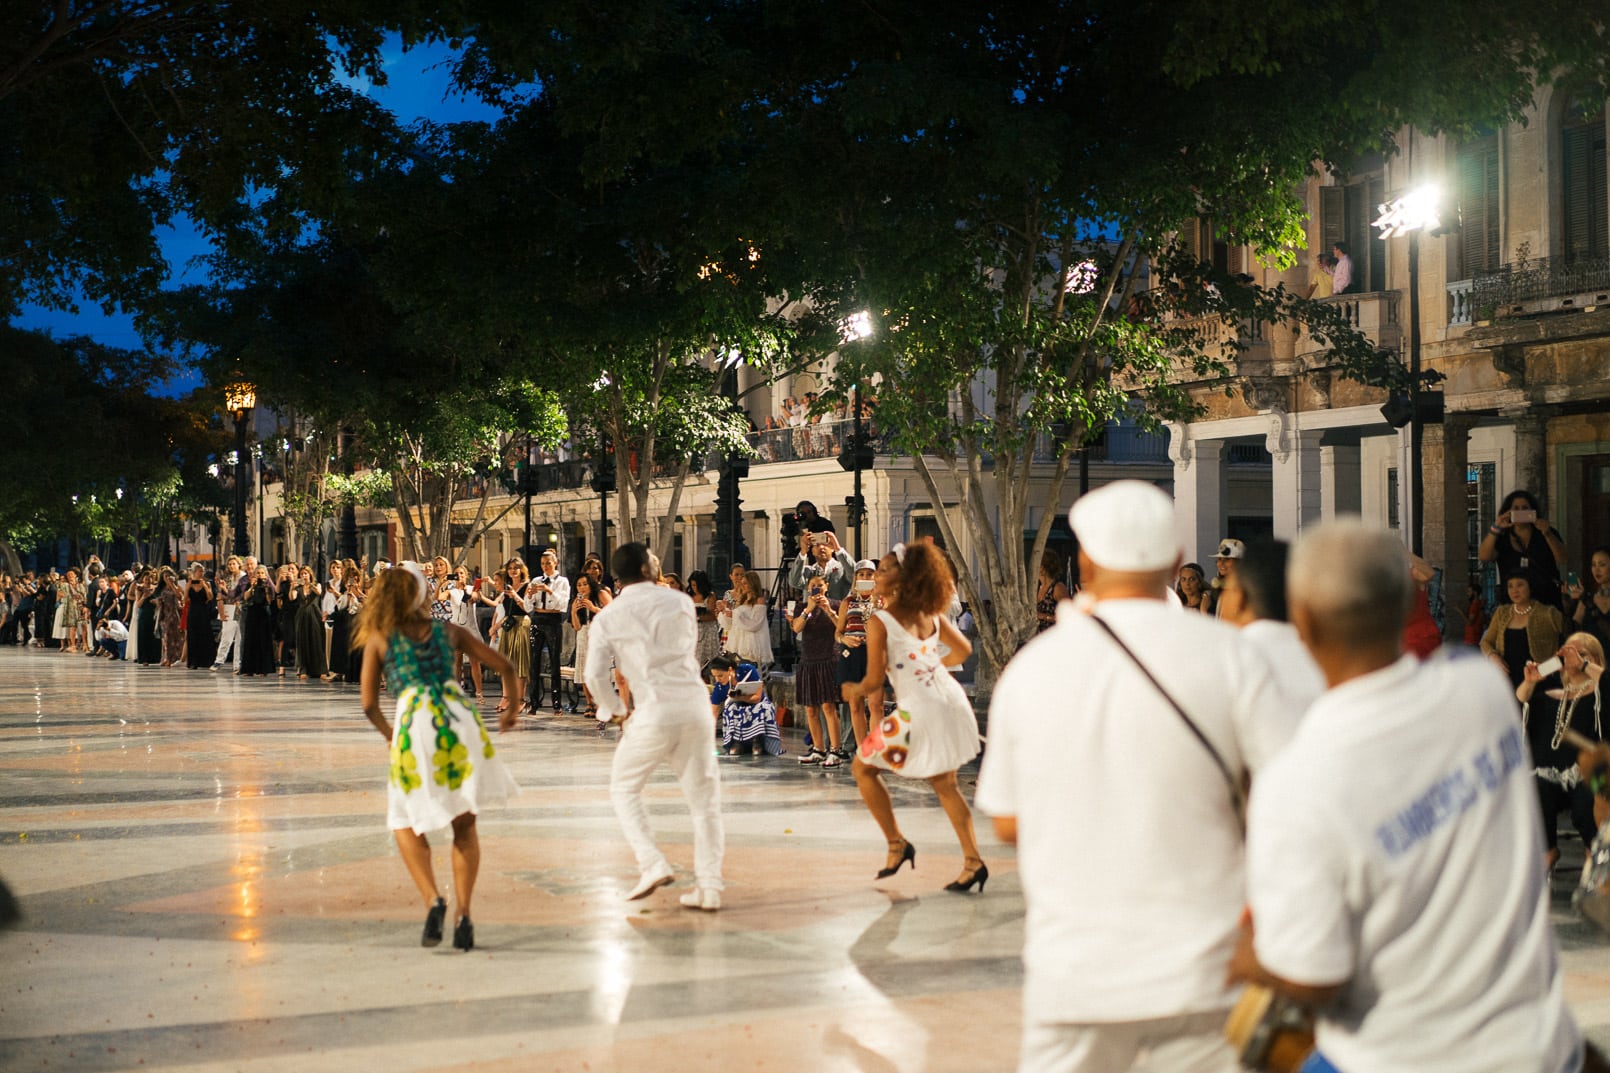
(816, 685)
(1521, 539)
(1558, 694)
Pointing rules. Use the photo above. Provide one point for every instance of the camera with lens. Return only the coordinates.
(790, 529)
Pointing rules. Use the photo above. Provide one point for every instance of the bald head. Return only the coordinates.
(1349, 587)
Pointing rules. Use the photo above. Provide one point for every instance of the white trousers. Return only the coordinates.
(228, 637)
(687, 746)
(1190, 1043)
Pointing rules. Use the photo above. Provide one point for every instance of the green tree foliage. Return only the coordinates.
(116, 115)
(949, 169)
(84, 425)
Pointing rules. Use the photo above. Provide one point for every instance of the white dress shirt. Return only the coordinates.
(556, 601)
(649, 632)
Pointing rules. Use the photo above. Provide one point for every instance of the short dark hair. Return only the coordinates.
(804, 503)
(631, 563)
(720, 663)
(1262, 576)
(1340, 245)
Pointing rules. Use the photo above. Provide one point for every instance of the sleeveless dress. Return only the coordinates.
(442, 761)
(933, 728)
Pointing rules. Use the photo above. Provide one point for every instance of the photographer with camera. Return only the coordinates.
(1521, 539)
(823, 557)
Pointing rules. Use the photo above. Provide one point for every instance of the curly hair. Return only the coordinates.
(391, 607)
(922, 581)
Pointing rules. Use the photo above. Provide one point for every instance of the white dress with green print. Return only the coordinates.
(442, 760)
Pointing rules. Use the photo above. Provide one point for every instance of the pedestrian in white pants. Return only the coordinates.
(644, 640)
(230, 590)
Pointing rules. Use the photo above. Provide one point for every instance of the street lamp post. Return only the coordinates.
(240, 396)
(1411, 214)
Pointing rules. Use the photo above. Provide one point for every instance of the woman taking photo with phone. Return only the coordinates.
(816, 685)
(1521, 539)
(513, 627)
(1560, 694)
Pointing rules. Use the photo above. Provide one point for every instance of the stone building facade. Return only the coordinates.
(1514, 303)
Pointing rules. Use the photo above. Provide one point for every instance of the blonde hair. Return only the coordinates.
(1590, 646)
(391, 606)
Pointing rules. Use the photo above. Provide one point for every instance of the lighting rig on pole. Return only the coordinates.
(1411, 214)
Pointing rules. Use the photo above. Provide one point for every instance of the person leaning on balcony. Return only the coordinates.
(1340, 270)
(1525, 629)
(1319, 285)
(1520, 538)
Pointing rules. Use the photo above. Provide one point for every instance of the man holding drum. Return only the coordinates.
(1393, 846)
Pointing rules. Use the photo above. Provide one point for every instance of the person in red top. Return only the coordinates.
(1421, 634)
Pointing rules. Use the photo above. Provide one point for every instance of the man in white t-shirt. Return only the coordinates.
(1393, 846)
(1254, 600)
(1129, 842)
(646, 637)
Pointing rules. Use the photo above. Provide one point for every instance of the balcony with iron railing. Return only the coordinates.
(1374, 313)
(1539, 285)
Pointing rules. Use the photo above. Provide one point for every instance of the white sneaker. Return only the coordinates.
(698, 898)
(651, 881)
(815, 756)
(832, 760)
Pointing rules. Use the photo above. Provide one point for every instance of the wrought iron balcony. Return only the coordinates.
(1540, 285)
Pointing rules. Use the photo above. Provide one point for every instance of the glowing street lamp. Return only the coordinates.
(1410, 214)
(240, 396)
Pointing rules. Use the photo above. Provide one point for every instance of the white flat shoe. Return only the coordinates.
(707, 900)
(650, 882)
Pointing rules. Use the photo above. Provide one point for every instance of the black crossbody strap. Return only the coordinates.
(1238, 800)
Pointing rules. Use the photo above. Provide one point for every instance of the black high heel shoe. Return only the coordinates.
(907, 854)
(464, 934)
(980, 876)
(433, 924)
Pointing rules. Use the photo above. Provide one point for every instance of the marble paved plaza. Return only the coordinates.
(208, 885)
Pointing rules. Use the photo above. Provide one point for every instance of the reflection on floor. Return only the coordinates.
(209, 885)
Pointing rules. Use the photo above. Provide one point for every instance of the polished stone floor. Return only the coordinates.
(208, 885)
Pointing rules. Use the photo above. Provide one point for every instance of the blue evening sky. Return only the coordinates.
(418, 86)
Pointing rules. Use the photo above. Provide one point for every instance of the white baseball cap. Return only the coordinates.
(1127, 526)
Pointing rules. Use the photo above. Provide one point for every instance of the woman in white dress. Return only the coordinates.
(444, 769)
(933, 730)
(747, 621)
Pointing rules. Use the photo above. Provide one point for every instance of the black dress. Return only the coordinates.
(1536, 558)
(145, 625)
(340, 639)
(1555, 759)
(1593, 621)
(198, 629)
(256, 632)
(285, 606)
(309, 626)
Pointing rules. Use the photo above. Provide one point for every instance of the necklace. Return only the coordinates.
(1564, 712)
(1522, 612)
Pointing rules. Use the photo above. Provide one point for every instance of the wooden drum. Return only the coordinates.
(1269, 1032)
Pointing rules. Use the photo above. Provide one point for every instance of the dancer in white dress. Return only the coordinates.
(933, 730)
(443, 766)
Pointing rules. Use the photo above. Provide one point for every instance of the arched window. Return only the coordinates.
(1585, 215)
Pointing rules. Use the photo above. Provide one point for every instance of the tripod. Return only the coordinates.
(783, 651)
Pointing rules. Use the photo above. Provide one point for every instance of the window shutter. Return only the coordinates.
(1479, 206)
(1332, 216)
(1235, 260)
(1583, 218)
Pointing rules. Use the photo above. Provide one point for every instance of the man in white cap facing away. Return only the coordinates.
(1125, 807)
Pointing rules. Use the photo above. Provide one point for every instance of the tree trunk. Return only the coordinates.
(13, 560)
